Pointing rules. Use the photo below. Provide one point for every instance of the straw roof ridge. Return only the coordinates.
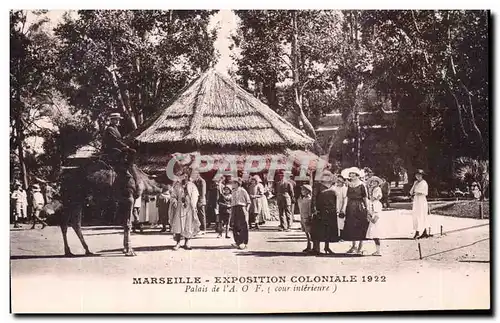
(265, 111)
(214, 110)
(198, 108)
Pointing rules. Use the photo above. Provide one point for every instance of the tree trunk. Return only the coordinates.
(121, 91)
(308, 127)
(20, 150)
(20, 128)
(122, 99)
(358, 138)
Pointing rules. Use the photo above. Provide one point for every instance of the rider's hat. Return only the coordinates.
(115, 115)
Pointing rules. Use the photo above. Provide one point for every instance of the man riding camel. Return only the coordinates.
(112, 143)
(114, 148)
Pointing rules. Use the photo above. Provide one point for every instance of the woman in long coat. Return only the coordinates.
(183, 215)
(356, 211)
(325, 227)
(420, 210)
(256, 192)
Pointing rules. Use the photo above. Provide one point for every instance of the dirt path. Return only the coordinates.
(458, 260)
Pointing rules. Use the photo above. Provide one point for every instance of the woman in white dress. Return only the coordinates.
(420, 211)
(341, 193)
(266, 213)
(183, 205)
(374, 212)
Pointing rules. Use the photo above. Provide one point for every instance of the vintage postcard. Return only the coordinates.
(249, 161)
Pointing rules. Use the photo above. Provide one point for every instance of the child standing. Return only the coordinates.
(224, 212)
(20, 201)
(374, 211)
(38, 203)
(304, 203)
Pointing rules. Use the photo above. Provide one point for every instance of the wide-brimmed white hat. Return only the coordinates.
(375, 179)
(307, 187)
(115, 115)
(345, 173)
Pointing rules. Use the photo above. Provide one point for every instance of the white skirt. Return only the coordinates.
(420, 213)
(340, 223)
(375, 229)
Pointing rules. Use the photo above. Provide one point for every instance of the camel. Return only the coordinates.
(114, 192)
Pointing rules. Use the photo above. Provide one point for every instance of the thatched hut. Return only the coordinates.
(214, 116)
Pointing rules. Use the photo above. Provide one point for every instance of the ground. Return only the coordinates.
(453, 272)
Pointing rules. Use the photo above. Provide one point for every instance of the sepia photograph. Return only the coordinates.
(234, 161)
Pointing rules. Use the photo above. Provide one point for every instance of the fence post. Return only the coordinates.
(481, 215)
(419, 251)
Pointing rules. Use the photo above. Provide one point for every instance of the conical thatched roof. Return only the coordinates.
(215, 111)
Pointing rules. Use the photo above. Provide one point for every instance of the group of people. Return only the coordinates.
(39, 199)
(348, 207)
(188, 207)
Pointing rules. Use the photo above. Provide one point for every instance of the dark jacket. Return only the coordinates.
(202, 190)
(284, 192)
(112, 140)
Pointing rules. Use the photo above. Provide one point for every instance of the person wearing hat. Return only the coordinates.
(256, 192)
(355, 209)
(341, 194)
(223, 216)
(201, 185)
(38, 203)
(212, 207)
(374, 212)
(240, 203)
(476, 191)
(226, 180)
(368, 173)
(19, 200)
(112, 142)
(325, 227)
(163, 203)
(304, 203)
(284, 198)
(386, 192)
(184, 222)
(420, 209)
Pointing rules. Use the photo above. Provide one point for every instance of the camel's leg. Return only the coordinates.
(65, 218)
(77, 226)
(127, 226)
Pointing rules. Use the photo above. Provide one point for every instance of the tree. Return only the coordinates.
(469, 170)
(281, 54)
(134, 60)
(433, 66)
(32, 53)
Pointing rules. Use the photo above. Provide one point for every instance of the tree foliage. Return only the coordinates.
(431, 66)
(132, 60)
(32, 61)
